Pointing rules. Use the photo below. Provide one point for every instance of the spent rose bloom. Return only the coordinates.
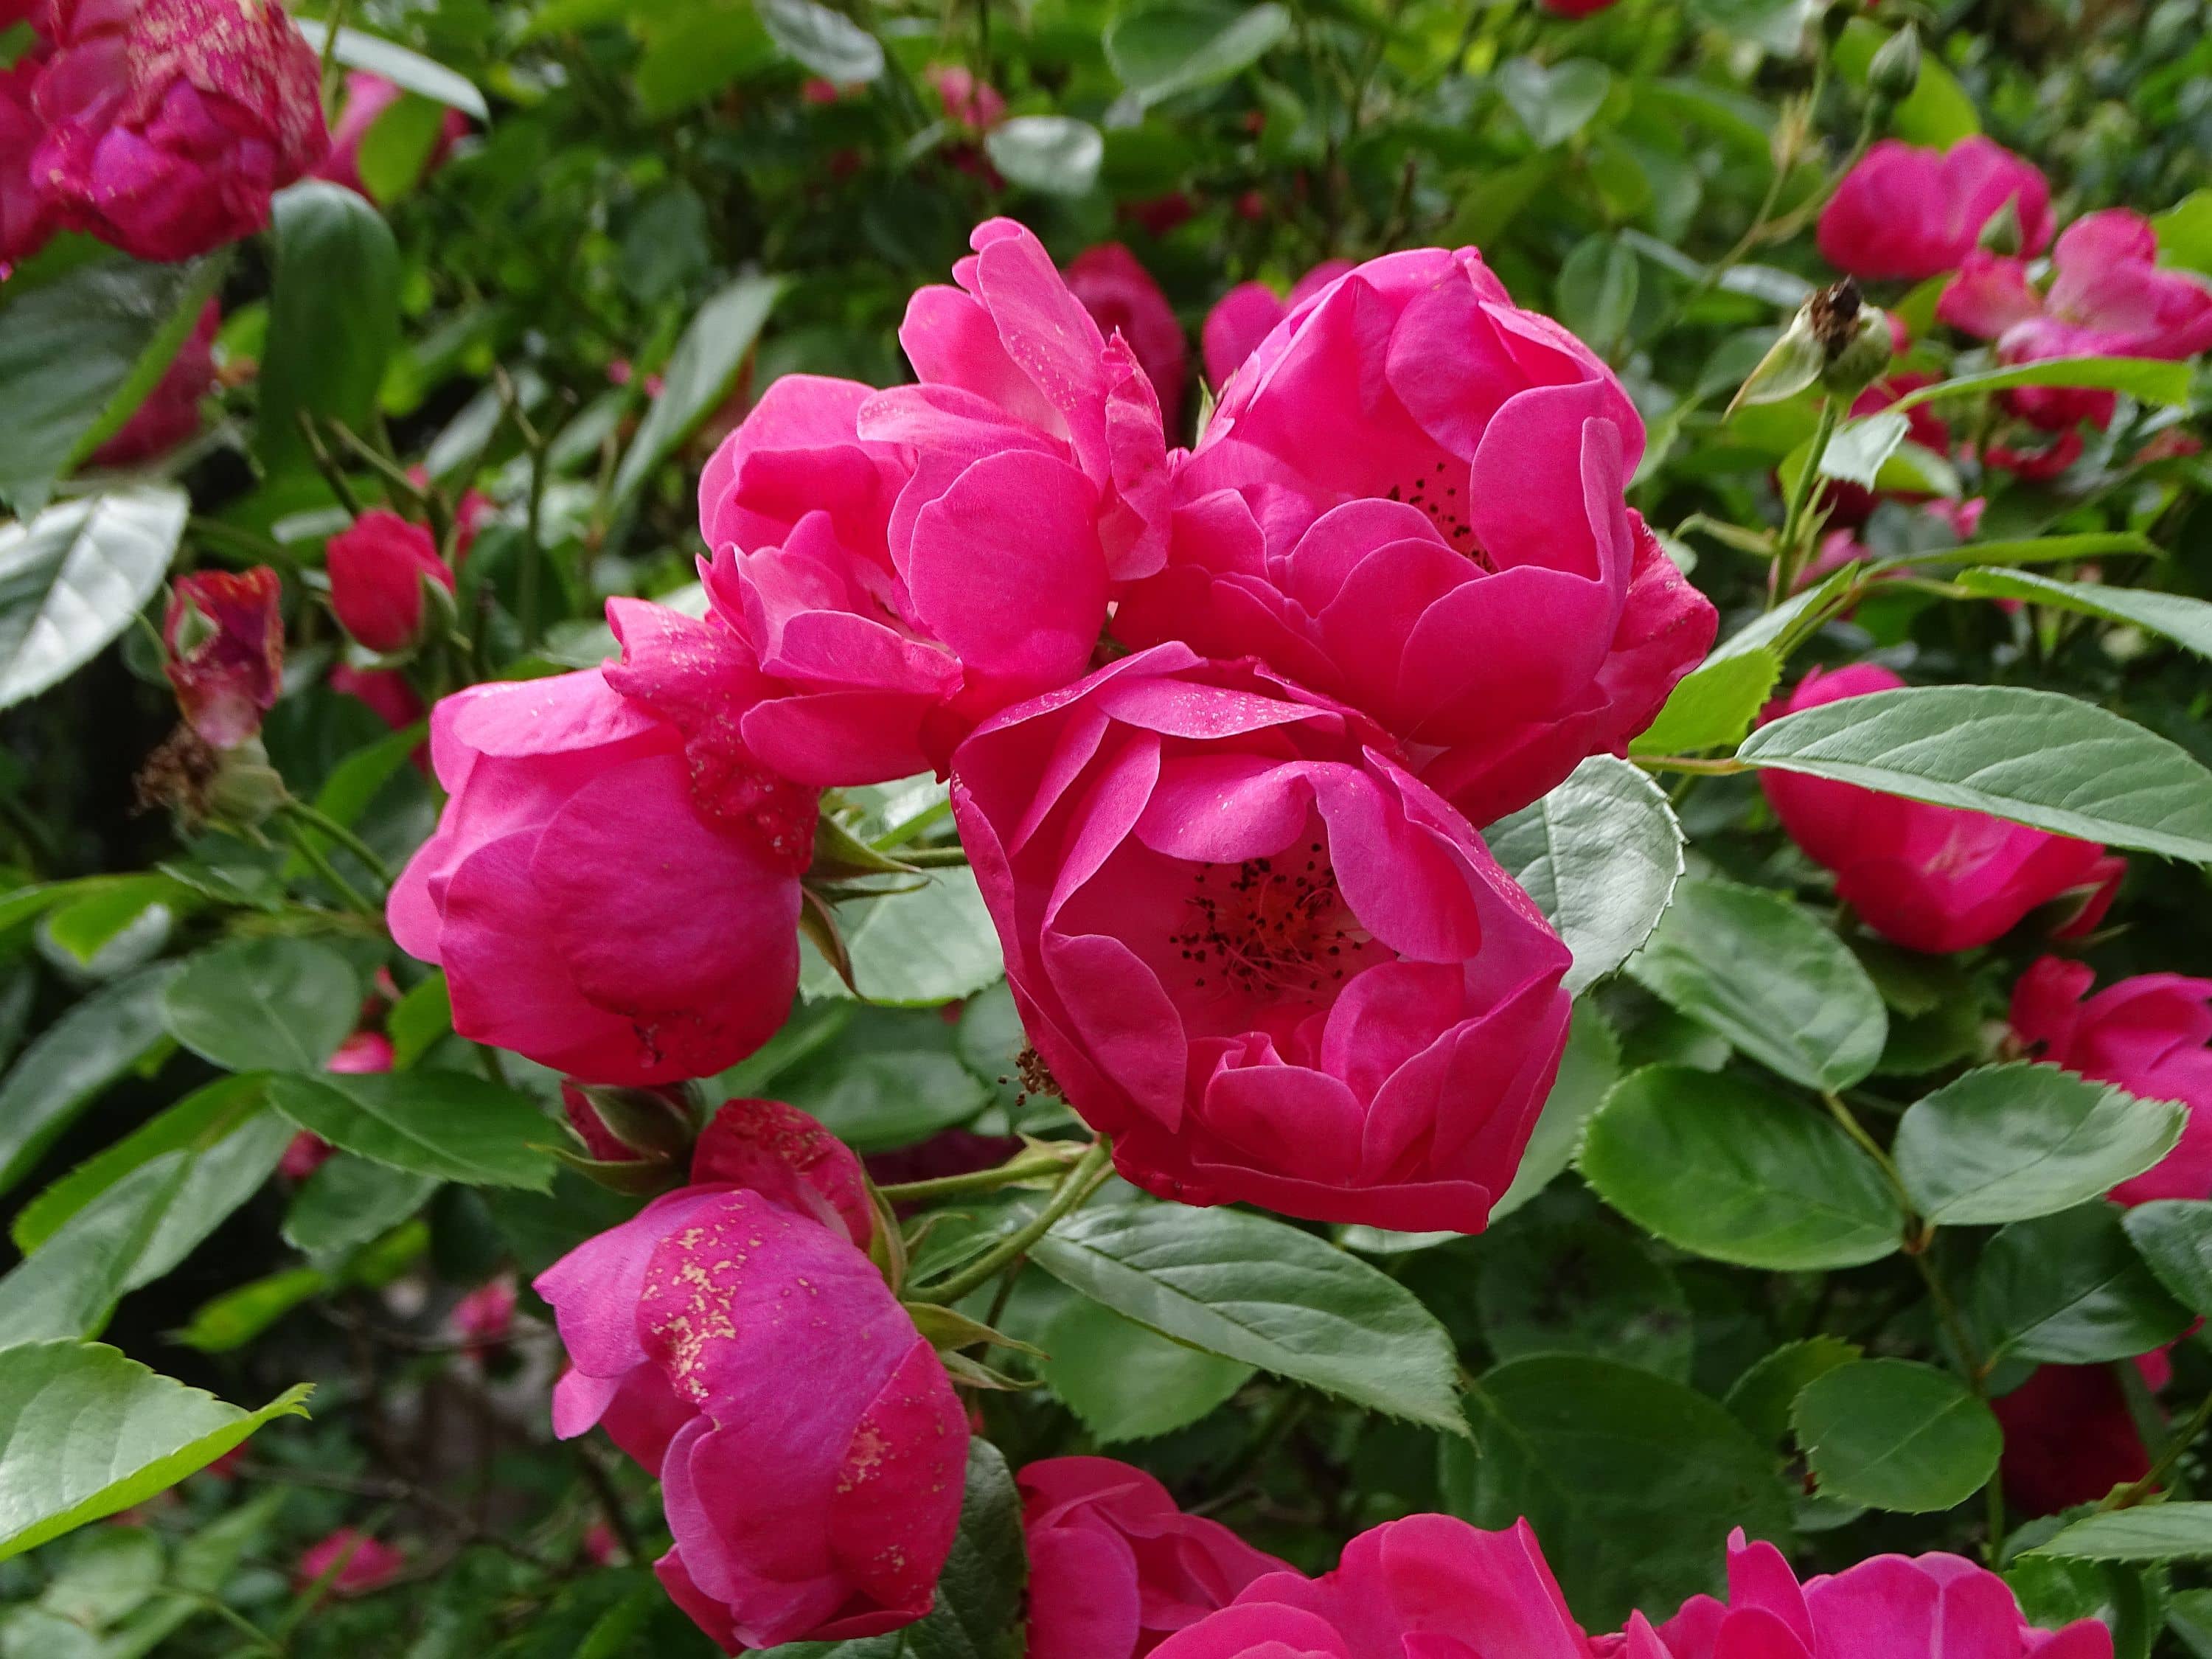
(2069, 1438)
(1121, 295)
(1252, 947)
(1248, 313)
(1910, 214)
(363, 1565)
(368, 96)
(2108, 298)
(224, 636)
(2146, 1034)
(1941, 1606)
(170, 122)
(170, 412)
(1933, 879)
(1115, 1566)
(559, 939)
(1410, 499)
(732, 1338)
(378, 568)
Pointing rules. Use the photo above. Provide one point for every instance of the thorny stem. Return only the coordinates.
(1089, 1172)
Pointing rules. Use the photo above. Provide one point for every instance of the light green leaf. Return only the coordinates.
(827, 42)
(1052, 154)
(197, 1122)
(934, 944)
(2185, 621)
(409, 70)
(2157, 1532)
(1938, 112)
(1713, 706)
(333, 318)
(701, 375)
(72, 1061)
(1893, 1435)
(228, 1323)
(1162, 52)
(434, 1123)
(2184, 232)
(2069, 1289)
(2148, 379)
(1554, 103)
(265, 1005)
(1127, 1383)
(72, 579)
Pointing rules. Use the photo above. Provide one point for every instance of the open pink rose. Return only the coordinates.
(1410, 499)
(1121, 295)
(1939, 1606)
(1250, 945)
(1248, 313)
(601, 900)
(2069, 1438)
(1910, 214)
(170, 122)
(1114, 1567)
(170, 412)
(368, 96)
(363, 1566)
(379, 567)
(2146, 1034)
(224, 638)
(2108, 298)
(1933, 879)
(733, 1338)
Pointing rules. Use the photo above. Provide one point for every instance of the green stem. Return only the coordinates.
(320, 861)
(933, 858)
(1791, 556)
(1710, 769)
(2185, 1437)
(344, 837)
(1078, 1184)
(1028, 1167)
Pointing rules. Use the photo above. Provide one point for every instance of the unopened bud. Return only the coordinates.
(1895, 70)
(247, 790)
(624, 1125)
(2001, 234)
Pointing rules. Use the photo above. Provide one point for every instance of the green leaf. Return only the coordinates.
(2175, 1237)
(2068, 1289)
(1777, 25)
(2007, 1143)
(828, 43)
(2146, 379)
(348, 1200)
(72, 579)
(1893, 1435)
(418, 1020)
(1717, 1165)
(1785, 628)
(1555, 103)
(1713, 706)
(109, 907)
(228, 1323)
(409, 70)
(980, 1594)
(1598, 288)
(1760, 970)
(1125, 1382)
(2185, 621)
(1582, 1285)
(433, 1123)
(2184, 232)
(198, 1121)
(398, 145)
(1268, 1295)
(1588, 1070)
(2036, 757)
(875, 1102)
(85, 1431)
(72, 1061)
(1052, 154)
(2039, 549)
(915, 949)
(1626, 1477)
(1762, 1396)
(2157, 1532)
(1162, 52)
(1938, 112)
(1601, 856)
(265, 1005)
(693, 52)
(701, 375)
(333, 318)
(1857, 450)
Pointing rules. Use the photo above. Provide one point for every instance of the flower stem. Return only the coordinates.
(320, 861)
(2182, 1437)
(1090, 1171)
(1028, 1167)
(325, 824)
(1791, 557)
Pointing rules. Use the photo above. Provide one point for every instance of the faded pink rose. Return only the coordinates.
(733, 1338)
(1941, 1606)
(1114, 1567)
(1257, 951)
(1910, 214)
(224, 636)
(171, 413)
(2070, 1438)
(2149, 1035)
(1248, 313)
(2108, 297)
(1121, 295)
(363, 1566)
(1410, 499)
(368, 96)
(26, 215)
(600, 901)
(170, 122)
(379, 568)
(1933, 879)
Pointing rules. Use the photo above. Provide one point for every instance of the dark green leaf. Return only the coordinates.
(2175, 1237)
(701, 375)
(348, 1200)
(198, 1121)
(1598, 286)
(265, 1005)
(1588, 1071)
(433, 1123)
(333, 318)
(1762, 1396)
(875, 1102)
(1893, 1435)
(2070, 1290)
(1582, 1285)
(72, 1061)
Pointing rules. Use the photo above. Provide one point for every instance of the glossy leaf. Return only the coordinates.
(1162, 52)
(333, 318)
(73, 578)
(2069, 1289)
(265, 1005)
(827, 42)
(2175, 1237)
(1894, 1435)
(1127, 1383)
(69, 1064)
(1713, 707)
(2162, 1532)
(2186, 622)
(1052, 154)
(432, 1123)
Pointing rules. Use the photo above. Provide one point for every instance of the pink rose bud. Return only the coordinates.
(379, 571)
(26, 215)
(1411, 499)
(969, 103)
(368, 96)
(1252, 947)
(363, 1565)
(1248, 314)
(364, 1051)
(484, 1318)
(1943, 1606)
(1114, 1567)
(2070, 1438)
(171, 413)
(603, 901)
(1121, 295)
(225, 651)
(1910, 214)
(623, 1126)
(734, 1340)
(1933, 879)
(304, 1154)
(2146, 1034)
(172, 122)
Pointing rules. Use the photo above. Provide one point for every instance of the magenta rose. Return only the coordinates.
(223, 639)
(171, 123)
(1912, 214)
(1253, 948)
(733, 1338)
(368, 96)
(1933, 879)
(26, 215)
(1114, 1567)
(1248, 313)
(1122, 297)
(1410, 499)
(358, 1564)
(380, 568)
(170, 412)
(1941, 1606)
(2146, 1034)
(601, 901)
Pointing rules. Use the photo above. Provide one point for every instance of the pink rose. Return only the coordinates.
(172, 122)
(2108, 298)
(1121, 296)
(363, 1565)
(1940, 1606)
(1933, 879)
(224, 636)
(26, 215)
(1912, 214)
(368, 96)
(1248, 313)
(733, 1338)
(171, 413)
(379, 569)
(975, 105)
(1410, 499)
(2069, 1438)
(1577, 7)
(600, 902)
(1251, 946)
(1428, 1587)
(483, 1318)
(1115, 1566)
(2146, 1034)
